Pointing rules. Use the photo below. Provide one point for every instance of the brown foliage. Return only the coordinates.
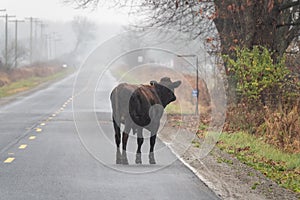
(4, 79)
(282, 127)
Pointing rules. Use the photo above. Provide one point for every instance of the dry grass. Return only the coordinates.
(4, 79)
(7, 77)
(282, 127)
(279, 126)
(21, 79)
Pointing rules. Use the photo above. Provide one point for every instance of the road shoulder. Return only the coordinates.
(223, 173)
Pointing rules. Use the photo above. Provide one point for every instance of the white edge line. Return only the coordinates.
(206, 182)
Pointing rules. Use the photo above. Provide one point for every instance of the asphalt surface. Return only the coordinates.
(54, 146)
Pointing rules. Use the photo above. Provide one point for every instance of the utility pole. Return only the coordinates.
(48, 45)
(42, 40)
(2, 10)
(6, 16)
(55, 46)
(51, 45)
(16, 39)
(36, 43)
(31, 20)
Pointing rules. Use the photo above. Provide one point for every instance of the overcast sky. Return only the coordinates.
(56, 10)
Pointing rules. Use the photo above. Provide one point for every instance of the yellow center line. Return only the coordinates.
(38, 130)
(9, 160)
(23, 146)
(43, 124)
(32, 137)
(53, 115)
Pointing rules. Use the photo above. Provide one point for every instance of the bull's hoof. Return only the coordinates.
(124, 158)
(118, 161)
(118, 157)
(138, 158)
(152, 158)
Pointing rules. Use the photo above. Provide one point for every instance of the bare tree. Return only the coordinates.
(270, 23)
(12, 59)
(224, 25)
(84, 31)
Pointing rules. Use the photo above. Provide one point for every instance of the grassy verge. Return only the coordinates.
(29, 83)
(283, 168)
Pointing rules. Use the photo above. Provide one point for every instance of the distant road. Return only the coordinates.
(43, 157)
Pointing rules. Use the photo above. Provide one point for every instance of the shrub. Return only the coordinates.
(256, 74)
(269, 96)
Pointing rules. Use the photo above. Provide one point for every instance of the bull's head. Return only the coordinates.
(165, 90)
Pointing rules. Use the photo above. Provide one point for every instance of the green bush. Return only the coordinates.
(256, 74)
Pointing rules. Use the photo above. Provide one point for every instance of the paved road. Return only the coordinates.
(45, 155)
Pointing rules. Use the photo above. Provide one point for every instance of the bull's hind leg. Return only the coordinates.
(124, 144)
(124, 140)
(151, 154)
(117, 133)
(118, 156)
(125, 135)
(140, 140)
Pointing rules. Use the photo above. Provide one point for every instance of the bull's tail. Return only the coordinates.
(116, 117)
(115, 107)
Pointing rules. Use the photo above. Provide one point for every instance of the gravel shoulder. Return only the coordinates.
(223, 173)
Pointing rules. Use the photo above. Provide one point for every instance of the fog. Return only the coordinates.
(47, 31)
(53, 39)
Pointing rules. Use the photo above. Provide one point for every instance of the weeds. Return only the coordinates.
(282, 167)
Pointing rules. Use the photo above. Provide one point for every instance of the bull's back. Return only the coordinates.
(133, 102)
(140, 104)
(120, 97)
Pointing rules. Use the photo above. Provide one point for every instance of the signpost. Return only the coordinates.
(195, 93)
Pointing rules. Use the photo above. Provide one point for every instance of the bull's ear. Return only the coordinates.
(176, 84)
(153, 82)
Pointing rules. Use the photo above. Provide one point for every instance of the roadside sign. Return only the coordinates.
(194, 93)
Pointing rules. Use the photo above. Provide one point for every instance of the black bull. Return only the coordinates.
(138, 107)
